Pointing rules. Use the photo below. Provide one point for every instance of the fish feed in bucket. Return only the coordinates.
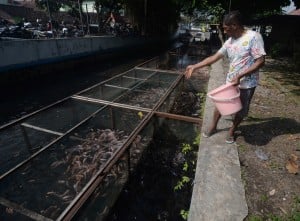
(226, 98)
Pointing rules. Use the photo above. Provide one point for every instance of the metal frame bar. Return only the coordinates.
(158, 70)
(178, 117)
(66, 133)
(23, 211)
(89, 188)
(64, 99)
(99, 101)
(41, 129)
(143, 79)
(80, 199)
(49, 144)
(111, 85)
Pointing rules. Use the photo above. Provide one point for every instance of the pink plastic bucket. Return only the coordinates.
(226, 98)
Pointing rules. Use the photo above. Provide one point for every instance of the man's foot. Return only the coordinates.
(208, 133)
(229, 139)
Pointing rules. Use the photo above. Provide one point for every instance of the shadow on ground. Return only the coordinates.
(260, 131)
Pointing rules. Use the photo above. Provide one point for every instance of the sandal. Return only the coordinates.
(207, 133)
(229, 139)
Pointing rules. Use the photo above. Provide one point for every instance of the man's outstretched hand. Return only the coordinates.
(188, 71)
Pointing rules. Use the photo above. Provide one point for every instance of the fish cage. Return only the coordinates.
(75, 155)
(26, 137)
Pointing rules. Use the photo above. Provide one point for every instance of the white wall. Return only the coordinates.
(22, 53)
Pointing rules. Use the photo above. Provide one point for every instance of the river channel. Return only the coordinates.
(160, 187)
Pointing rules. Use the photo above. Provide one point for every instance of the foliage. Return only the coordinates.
(197, 140)
(154, 17)
(184, 214)
(180, 183)
(185, 166)
(53, 5)
(275, 50)
(254, 218)
(186, 148)
(215, 9)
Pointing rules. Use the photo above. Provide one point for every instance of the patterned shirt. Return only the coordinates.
(242, 53)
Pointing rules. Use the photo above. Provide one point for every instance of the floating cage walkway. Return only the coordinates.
(84, 146)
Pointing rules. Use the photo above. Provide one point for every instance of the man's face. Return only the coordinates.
(229, 30)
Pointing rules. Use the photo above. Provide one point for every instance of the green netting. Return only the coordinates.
(123, 82)
(20, 141)
(63, 116)
(139, 73)
(168, 103)
(146, 95)
(103, 92)
(15, 146)
(146, 145)
(105, 195)
(145, 90)
(164, 77)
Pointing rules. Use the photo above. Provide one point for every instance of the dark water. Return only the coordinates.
(161, 186)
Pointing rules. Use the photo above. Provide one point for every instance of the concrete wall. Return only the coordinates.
(27, 53)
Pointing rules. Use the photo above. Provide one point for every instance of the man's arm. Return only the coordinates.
(258, 63)
(207, 61)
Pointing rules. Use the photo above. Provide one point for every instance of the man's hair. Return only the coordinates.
(233, 17)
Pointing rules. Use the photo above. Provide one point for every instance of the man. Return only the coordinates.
(245, 50)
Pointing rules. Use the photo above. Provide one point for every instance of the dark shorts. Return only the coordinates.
(245, 96)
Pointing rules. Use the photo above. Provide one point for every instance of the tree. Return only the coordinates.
(51, 5)
(251, 9)
(104, 8)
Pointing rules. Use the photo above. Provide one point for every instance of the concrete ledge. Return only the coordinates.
(218, 192)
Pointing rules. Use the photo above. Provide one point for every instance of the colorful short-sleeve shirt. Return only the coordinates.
(242, 53)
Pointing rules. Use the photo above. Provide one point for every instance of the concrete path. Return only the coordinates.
(218, 192)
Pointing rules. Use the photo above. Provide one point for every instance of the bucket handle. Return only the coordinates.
(225, 99)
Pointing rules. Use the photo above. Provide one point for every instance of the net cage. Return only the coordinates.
(72, 156)
(28, 136)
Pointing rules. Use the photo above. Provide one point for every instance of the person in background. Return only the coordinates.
(112, 22)
(245, 51)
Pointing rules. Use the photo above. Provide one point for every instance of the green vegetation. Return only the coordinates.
(186, 148)
(184, 214)
(276, 50)
(188, 170)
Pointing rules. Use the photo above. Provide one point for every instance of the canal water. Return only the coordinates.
(160, 187)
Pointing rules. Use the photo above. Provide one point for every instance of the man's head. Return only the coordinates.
(233, 24)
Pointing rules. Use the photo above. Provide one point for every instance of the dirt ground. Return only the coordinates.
(269, 145)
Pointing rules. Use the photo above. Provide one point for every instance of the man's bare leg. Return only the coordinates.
(213, 127)
(236, 122)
